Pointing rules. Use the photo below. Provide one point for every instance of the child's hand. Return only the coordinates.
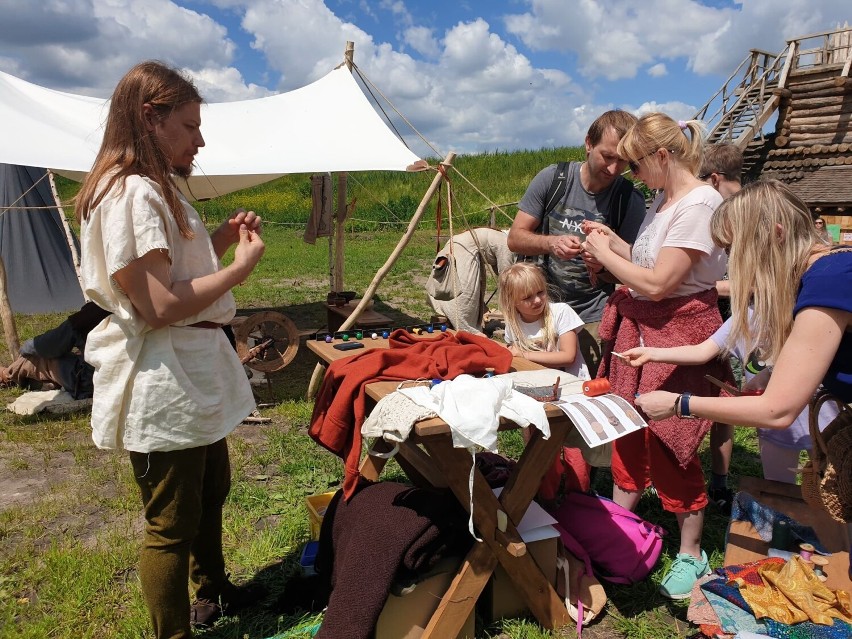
(515, 350)
(636, 357)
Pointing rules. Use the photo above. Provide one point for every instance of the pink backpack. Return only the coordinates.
(623, 547)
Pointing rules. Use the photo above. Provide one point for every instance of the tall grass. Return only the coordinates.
(388, 199)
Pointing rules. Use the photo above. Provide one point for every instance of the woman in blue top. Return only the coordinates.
(802, 310)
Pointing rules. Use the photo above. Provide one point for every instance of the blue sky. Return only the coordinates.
(471, 75)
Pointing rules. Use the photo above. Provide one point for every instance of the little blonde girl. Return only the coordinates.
(537, 329)
(546, 333)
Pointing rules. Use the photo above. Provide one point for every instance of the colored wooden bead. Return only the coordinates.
(329, 339)
(345, 337)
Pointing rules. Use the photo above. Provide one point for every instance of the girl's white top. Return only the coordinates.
(564, 320)
(171, 388)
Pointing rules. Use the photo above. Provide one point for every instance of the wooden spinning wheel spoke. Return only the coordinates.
(267, 341)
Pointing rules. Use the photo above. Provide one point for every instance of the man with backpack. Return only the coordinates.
(550, 216)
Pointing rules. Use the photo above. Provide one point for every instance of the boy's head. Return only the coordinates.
(722, 168)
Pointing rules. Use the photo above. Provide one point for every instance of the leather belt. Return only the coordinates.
(205, 325)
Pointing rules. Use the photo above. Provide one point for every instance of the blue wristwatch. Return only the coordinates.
(684, 406)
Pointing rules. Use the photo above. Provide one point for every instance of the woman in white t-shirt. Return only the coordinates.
(669, 299)
(536, 328)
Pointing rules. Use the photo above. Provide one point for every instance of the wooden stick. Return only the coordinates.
(340, 235)
(69, 236)
(13, 343)
(403, 242)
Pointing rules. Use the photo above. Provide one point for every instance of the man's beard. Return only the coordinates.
(182, 171)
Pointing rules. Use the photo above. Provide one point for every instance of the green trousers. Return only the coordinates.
(183, 492)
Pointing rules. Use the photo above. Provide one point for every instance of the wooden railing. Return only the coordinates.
(737, 111)
(822, 50)
(747, 100)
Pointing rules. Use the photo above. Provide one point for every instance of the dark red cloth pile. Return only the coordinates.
(386, 531)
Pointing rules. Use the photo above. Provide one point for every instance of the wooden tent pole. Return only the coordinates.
(69, 236)
(336, 245)
(13, 343)
(403, 242)
(388, 265)
(339, 229)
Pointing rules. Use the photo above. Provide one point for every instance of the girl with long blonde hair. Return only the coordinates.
(537, 329)
(802, 317)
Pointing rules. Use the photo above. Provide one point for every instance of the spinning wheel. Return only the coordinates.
(267, 341)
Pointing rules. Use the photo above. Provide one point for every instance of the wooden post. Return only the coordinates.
(336, 245)
(69, 236)
(403, 242)
(340, 235)
(349, 54)
(13, 343)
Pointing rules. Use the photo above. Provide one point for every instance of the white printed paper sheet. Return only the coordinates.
(600, 419)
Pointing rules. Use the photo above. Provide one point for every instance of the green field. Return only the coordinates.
(70, 519)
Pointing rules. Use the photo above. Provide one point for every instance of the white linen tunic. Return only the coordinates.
(171, 388)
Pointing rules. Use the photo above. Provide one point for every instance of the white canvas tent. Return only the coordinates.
(326, 126)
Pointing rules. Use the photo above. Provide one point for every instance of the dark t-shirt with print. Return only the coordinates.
(571, 276)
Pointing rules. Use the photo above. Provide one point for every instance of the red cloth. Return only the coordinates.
(569, 473)
(340, 407)
(676, 321)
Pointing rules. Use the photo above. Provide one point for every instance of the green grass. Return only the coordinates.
(68, 550)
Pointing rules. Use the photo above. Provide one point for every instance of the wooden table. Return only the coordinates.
(429, 459)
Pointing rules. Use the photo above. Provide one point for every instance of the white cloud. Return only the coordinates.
(85, 47)
(468, 86)
(765, 26)
(615, 38)
(658, 70)
(223, 83)
(422, 40)
(674, 109)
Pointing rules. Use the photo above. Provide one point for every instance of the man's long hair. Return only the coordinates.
(128, 147)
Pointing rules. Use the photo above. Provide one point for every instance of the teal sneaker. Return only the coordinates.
(682, 575)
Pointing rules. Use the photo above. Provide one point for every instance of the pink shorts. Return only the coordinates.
(641, 459)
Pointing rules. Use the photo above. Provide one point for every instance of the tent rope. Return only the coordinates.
(23, 195)
(369, 84)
